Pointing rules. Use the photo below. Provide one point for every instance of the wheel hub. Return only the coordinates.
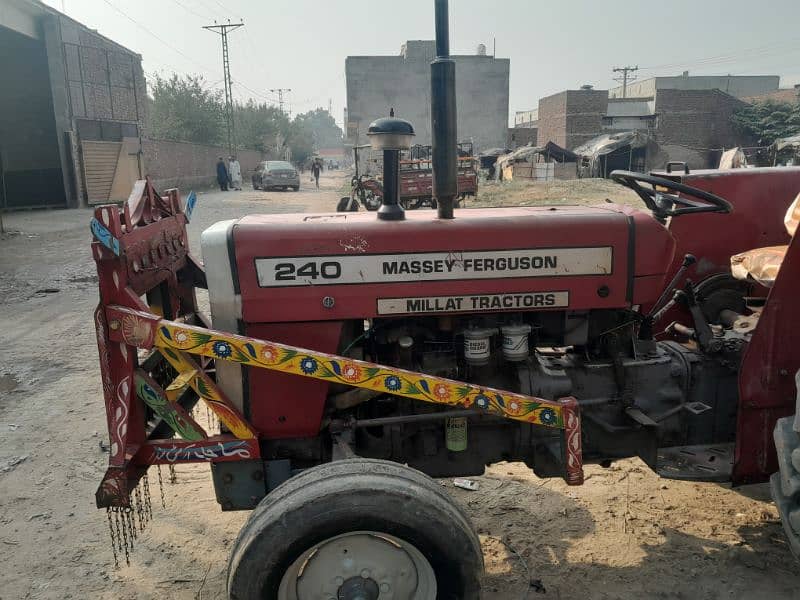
(358, 588)
(361, 565)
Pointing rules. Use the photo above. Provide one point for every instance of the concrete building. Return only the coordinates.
(784, 95)
(738, 86)
(377, 83)
(690, 125)
(526, 118)
(71, 110)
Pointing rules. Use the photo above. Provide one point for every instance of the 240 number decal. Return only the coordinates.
(310, 270)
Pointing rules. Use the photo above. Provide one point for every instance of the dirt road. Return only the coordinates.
(624, 534)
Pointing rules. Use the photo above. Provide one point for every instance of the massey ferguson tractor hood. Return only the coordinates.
(350, 265)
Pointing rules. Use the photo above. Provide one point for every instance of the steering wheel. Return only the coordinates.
(670, 204)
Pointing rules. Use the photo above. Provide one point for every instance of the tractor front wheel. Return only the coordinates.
(356, 529)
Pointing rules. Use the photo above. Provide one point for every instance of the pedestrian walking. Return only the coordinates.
(222, 175)
(315, 171)
(235, 173)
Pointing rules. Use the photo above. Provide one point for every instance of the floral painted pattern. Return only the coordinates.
(319, 365)
(222, 349)
(308, 365)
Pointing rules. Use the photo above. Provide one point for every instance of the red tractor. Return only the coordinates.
(350, 355)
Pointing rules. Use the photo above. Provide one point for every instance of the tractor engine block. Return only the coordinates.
(635, 397)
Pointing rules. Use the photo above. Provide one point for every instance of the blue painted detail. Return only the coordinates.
(104, 236)
(547, 416)
(191, 201)
(308, 365)
(392, 383)
(222, 349)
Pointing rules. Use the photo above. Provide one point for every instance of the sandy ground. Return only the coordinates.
(624, 534)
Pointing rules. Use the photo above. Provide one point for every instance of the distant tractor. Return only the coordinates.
(416, 181)
(350, 356)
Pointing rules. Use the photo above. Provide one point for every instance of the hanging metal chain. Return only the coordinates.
(139, 506)
(161, 487)
(113, 539)
(148, 508)
(124, 537)
(173, 477)
(130, 524)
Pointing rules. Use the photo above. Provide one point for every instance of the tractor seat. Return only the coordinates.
(762, 264)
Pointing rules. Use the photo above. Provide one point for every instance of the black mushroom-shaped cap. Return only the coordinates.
(390, 125)
(390, 133)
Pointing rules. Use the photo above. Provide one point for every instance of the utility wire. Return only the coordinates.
(192, 11)
(159, 38)
(738, 55)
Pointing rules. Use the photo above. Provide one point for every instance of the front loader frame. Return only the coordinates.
(142, 251)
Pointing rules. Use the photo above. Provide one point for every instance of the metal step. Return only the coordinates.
(696, 463)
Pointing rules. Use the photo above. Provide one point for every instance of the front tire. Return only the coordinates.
(400, 531)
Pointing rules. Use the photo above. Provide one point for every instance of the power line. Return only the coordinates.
(222, 30)
(222, 6)
(191, 10)
(157, 37)
(735, 56)
(625, 78)
(212, 10)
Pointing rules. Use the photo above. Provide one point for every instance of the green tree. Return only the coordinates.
(768, 121)
(258, 126)
(300, 139)
(184, 109)
(323, 128)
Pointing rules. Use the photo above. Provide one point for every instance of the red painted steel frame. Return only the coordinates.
(146, 249)
(760, 197)
(767, 388)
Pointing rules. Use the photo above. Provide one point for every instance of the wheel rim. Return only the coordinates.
(360, 565)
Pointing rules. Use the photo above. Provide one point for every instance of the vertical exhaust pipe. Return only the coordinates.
(443, 117)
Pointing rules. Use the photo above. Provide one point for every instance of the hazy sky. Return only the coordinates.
(553, 45)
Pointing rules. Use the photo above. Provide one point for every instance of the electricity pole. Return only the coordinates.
(625, 78)
(280, 95)
(222, 30)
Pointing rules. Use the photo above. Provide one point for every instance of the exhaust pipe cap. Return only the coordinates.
(390, 133)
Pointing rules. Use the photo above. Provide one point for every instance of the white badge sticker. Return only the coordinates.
(433, 266)
(473, 303)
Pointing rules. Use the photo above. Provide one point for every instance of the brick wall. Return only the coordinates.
(691, 122)
(521, 136)
(105, 80)
(185, 166)
(572, 117)
(553, 120)
(585, 110)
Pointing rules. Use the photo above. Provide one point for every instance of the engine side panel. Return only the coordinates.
(285, 406)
